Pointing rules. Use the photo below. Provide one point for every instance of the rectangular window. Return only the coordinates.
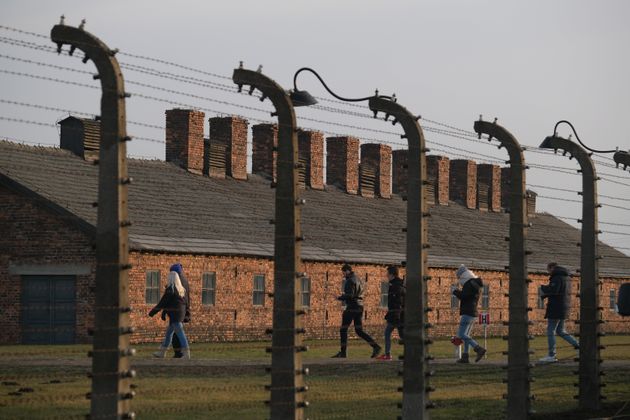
(541, 301)
(152, 289)
(613, 299)
(454, 300)
(306, 292)
(384, 293)
(485, 297)
(208, 288)
(259, 290)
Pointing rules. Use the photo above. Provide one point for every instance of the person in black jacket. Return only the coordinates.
(177, 267)
(352, 297)
(174, 303)
(469, 298)
(395, 307)
(557, 293)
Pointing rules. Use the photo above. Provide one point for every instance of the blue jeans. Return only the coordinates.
(388, 335)
(175, 328)
(556, 326)
(465, 327)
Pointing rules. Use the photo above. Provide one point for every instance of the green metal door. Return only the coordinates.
(48, 309)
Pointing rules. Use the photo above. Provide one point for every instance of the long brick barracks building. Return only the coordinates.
(200, 207)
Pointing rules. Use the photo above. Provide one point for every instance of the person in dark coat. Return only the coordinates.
(557, 293)
(173, 301)
(468, 297)
(352, 297)
(177, 267)
(395, 307)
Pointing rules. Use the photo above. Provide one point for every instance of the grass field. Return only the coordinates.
(231, 384)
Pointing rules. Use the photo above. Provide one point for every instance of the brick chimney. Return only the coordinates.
(438, 168)
(375, 170)
(226, 150)
(81, 136)
(265, 143)
(506, 186)
(342, 163)
(463, 182)
(531, 202)
(184, 139)
(489, 187)
(399, 171)
(311, 156)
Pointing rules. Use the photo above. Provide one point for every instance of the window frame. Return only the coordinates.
(305, 293)
(257, 292)
(613, 299)
(152, 290)
(454, 299)
(540, 304)
(206, 291)
(485, 297)
(384, 294)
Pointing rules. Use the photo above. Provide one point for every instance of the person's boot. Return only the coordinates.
(341, 355)
(186, 353)
(480, 353)
(178, 354)
(160, 353)
(376, 350)
(464, 359)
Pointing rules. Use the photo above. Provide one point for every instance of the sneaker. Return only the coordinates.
(548, 359)
(376, 350)
(340, 355)
(384, 357)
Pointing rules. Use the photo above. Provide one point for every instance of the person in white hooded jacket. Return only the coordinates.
(468, 296)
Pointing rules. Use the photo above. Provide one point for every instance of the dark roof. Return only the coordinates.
(177, 211)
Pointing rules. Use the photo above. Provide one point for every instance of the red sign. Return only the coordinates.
(484, 318)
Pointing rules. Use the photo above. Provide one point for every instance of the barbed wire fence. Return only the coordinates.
(350, 110)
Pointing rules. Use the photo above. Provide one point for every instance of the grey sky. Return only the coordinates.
(528, 63)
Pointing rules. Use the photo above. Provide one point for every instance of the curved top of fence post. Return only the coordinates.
(269, 88)
(402, 115)
(507, 140)
(103, 57)
(574, 150)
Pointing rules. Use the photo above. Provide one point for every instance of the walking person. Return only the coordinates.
(353, 298)
(395, 310)
(557, 293)
(177, 347)
(468, 299)
(173, 301)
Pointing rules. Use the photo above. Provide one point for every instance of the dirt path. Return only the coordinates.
(170, 362)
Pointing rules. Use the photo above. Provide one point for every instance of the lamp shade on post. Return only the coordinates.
(302, 98)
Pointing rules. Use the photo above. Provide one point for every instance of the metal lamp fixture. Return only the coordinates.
(620, 157)
(304, 98)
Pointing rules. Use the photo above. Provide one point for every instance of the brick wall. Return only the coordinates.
(184, 138)
(311, 155)
(400, 173)
(342, 163)
(265, 143)
(463, 182)
(438, 169)
(378, 158)
(30, 234)
(489, 178)
(230, 135)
